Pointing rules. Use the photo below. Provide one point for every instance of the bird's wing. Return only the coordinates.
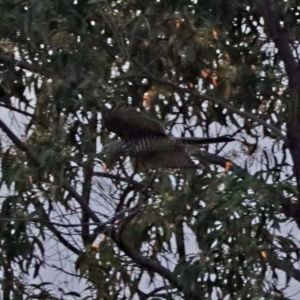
(129, 123)
(170, 160)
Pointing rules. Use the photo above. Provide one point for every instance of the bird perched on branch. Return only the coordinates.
(144, 138)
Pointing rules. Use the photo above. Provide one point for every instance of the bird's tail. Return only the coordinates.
(205, 140)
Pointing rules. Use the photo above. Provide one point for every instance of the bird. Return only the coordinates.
(145, 138)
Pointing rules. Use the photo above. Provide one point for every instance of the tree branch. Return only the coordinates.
(136, 256)
(52, 228)
(153, 266)
(223, 103)
(226, 105)
(25, 113)
(32, 156)
(120, 178)
(282, 41)
(287, 267)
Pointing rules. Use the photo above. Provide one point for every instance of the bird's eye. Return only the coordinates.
(104, 149)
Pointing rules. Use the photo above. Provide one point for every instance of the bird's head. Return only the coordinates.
(110, 153)
(114, 148)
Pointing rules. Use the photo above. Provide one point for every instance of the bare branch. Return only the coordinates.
(223, 103)
(25, 113)
(32, 156)
(120, 178)
(136, 256)
(52, 228)
(287, 267)
(282, 42)
(281, 39)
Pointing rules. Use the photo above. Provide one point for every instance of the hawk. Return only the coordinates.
(144, 138)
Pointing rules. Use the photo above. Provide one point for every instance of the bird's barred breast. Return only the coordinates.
(152, 144)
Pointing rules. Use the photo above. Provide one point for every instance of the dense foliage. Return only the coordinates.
(204, 68)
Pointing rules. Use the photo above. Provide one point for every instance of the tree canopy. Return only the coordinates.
(203, 68)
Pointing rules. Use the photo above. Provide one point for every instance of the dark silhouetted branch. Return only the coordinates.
(222, 103)
(278, 34)
(11, 108)
(136, 256)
